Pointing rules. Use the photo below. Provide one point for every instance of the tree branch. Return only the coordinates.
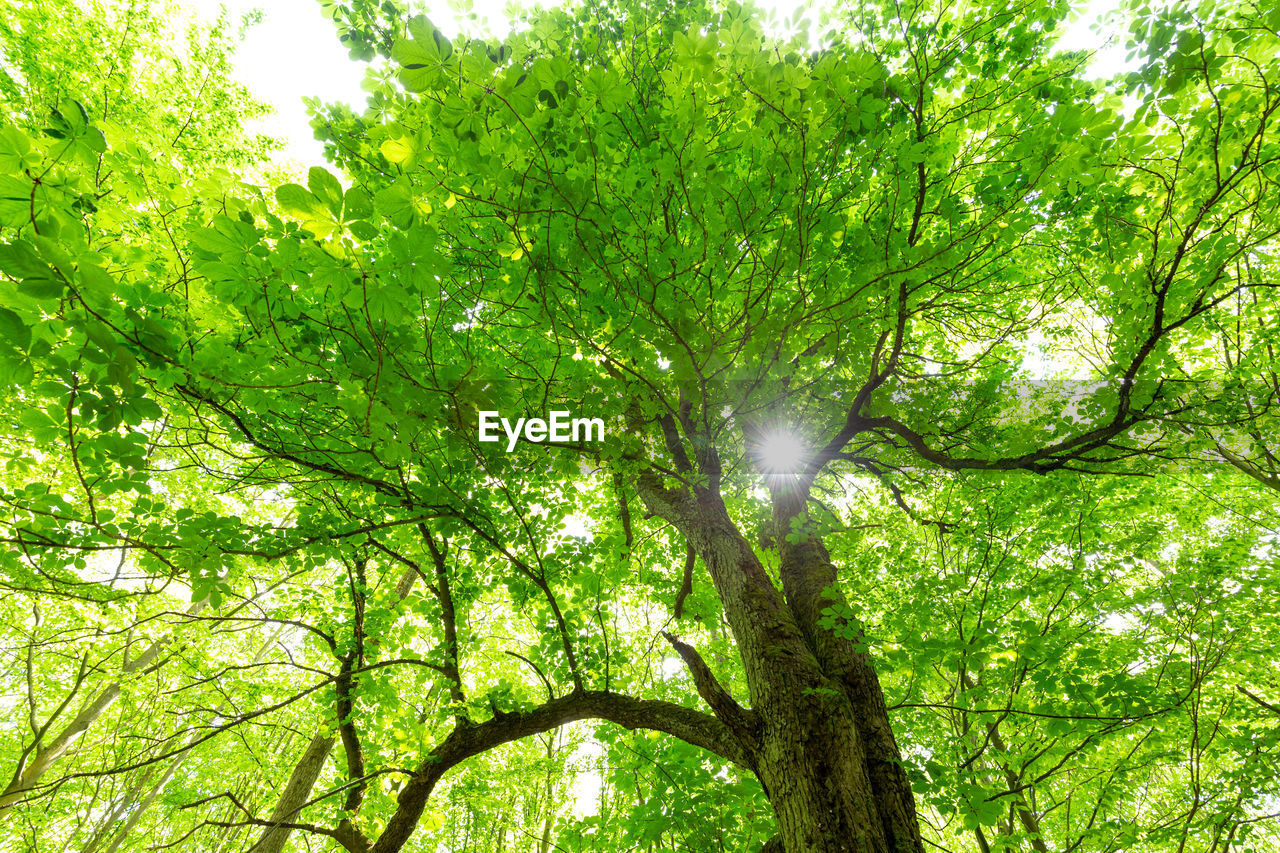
(465, 742)
(744, 723)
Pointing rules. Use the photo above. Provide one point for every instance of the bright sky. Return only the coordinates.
(294, 53)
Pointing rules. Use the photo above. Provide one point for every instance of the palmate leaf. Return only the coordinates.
(423, 55)
(398, 150)
(325, 187)
(36, 278)
(15, 151)
(212, 240)
(14, 330)
(298, 200)
(317, 216)
(397, 205)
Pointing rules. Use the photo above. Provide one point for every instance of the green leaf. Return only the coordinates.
(15, 151)
(19, 260)
(397, 151)
(422, 55)
(296, 199)
(357, 203)
(326, 188)
(396, 205)
(14, 330)
(212, 240)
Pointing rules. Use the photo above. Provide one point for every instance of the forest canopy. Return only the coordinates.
(934, 504)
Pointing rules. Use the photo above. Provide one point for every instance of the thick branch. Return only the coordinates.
(1266, 478)
(465, 742)
(1040, 461)
(1275, 709)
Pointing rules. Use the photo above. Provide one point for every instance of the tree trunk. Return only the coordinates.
(809, 582)
(295, 794)
(297, 791)
(818, 729)
(548, 806)
(107, 826)
(136, 808)
(140, 808)
(43, 756)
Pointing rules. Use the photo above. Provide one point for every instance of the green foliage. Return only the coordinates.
(1021, 321)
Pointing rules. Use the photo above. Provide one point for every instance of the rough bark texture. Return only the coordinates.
(817, 733)
(825, 751)
(809, 581)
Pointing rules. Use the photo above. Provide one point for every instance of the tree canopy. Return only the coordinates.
(936, 500)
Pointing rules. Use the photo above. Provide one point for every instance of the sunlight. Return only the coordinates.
(782, 452)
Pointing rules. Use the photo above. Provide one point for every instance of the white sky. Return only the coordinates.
(294, 53)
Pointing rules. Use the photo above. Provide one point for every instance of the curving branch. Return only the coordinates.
(467, 741)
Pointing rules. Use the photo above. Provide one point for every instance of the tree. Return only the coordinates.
(801, 286)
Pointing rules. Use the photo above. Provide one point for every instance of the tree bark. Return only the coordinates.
(817, 734)
(824, 750)
(548, 805)
(470, 739)
(295, 794)
(297, 791)
(809, 581)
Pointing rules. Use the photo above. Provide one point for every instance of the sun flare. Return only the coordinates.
(782, 452)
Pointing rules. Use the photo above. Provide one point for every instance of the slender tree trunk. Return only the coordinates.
(548, 806)
(295, 794)
(1026, 815)
(145, 802)
(43, 756)
(297, 791)
(136, 808)
(108, 827)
